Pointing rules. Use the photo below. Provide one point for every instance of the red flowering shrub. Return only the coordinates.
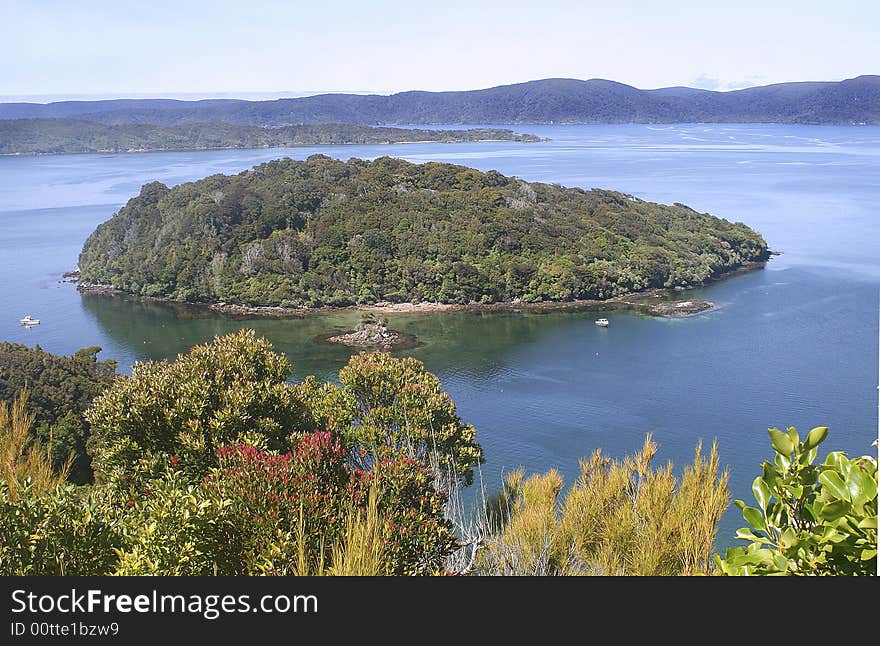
(277, 508)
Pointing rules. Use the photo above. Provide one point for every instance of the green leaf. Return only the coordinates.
(788, 538)
(808, 456)
(755, 518)
(860, 485)
(835, 460)
(834, 510)
(869, 554)
(761, 491)
(780, 562)
(745, 534)
(782, 463)
(816, 437)
(795, 491)
(793, 436)
(770, 474)
(868, 523)
(834, 485)
(780, 441)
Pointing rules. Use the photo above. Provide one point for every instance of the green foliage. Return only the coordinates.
(417, 536)
(53, 136)
(620, 518)
(207, 466)
(322, 232)
(173, 530)
(390, 406)
(67, 531)
(229, 390)
(810, 519)
(302, 512)
(60, 390)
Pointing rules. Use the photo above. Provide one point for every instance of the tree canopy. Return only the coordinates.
(60, 389)
(325, 232)
(55, 136)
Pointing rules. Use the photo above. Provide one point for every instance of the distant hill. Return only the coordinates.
(51, 136)
(326, 232)
(853, 101)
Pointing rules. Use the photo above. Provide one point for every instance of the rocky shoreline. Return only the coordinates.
(652, 302)
(372, 332)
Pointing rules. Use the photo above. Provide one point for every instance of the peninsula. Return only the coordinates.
(57, 136)
(327, 233)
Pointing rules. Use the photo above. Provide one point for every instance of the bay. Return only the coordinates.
(793, 344)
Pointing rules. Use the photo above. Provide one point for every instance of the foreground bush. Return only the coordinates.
(619, 518)
(400, 407)
(234, 390)
(219, 393)
(265, 513)
(65, 531)
(810, 519)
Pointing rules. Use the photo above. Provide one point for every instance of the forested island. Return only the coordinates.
(323, 232)
(554, 100)
(55, 136)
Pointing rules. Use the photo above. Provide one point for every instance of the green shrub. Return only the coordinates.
(400, 407)
(68, 531)
(217, 394)
(810, 519)
(175, 530)
(60, 389)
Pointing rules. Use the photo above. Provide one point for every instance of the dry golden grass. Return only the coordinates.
(23, 460)
(621, 517)
(360, 551)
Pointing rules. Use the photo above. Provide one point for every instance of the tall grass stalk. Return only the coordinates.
(24, 462)
(360, 551)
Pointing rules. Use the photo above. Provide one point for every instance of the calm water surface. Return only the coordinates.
(793, 344)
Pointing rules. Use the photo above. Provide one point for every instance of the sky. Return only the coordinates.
(269, 48)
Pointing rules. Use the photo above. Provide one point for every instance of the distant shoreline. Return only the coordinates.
(135, 151)
(658, 302)
(71, 136)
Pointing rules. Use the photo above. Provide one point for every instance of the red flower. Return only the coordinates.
(174, 461)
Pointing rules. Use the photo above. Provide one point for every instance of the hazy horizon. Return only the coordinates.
(266, 47)
(293, 94)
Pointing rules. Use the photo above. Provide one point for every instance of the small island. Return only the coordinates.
(290, 236)
(373, 332)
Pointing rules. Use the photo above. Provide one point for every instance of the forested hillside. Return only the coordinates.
(556, 100)
(49, 136)
(324, 232)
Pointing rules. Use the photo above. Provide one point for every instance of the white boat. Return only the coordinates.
(602, 322)
(27, 320)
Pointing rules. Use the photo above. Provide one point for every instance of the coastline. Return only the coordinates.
(135, 151)
(659, 302)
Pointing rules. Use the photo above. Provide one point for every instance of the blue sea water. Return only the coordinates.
(793, 344)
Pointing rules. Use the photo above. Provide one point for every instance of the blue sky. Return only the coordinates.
(264, 47)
